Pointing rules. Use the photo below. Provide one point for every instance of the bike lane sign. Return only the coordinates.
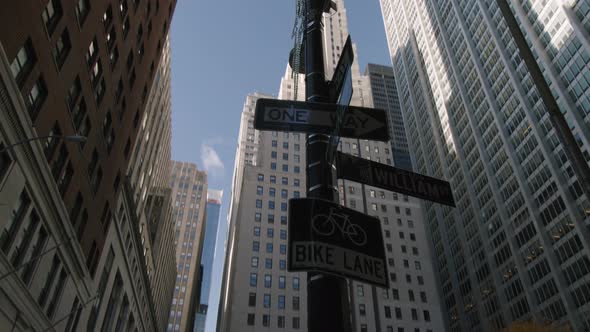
(324, 236)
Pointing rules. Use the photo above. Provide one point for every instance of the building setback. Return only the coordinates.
(75, 251)
(208, 255)
(259, 294)
(517, 245)
(189, 199)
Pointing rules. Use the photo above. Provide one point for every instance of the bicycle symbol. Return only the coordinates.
(326, 225)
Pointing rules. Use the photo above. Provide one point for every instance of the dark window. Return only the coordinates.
(82, 10)
(62, 48)
(252, 300)
(74, 92)
(5, 161)
(36, 97)
(54, 137)
(123, 8)
(37, 249)
(107, 17)
(64, 180)
(111, 38)
(92, 52)
(52, 14)
(96, 73)
(295, 303)
(99, 91)
(23, 63)
(126, 27)
(251, 319)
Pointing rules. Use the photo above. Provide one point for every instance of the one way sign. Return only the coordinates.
(320, 118)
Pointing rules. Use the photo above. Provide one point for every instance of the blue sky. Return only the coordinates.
(224, 50)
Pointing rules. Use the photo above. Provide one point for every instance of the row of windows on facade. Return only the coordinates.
(284, 180)
(360, 291)
(268, 263)
(268, 281)
(285, 156)
(25, 60)
(270, 218)
(266, 321)
(272, 192)
(269, 247)
(398, 312)
(285, 168)
(274, 144)
(271, 205)
(266, 302)
(23, 240)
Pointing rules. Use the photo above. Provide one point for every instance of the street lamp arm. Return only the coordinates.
(69, 138)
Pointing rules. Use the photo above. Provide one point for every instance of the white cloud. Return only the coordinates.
(211, 161)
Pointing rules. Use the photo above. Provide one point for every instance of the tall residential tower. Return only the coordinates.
(517, 246)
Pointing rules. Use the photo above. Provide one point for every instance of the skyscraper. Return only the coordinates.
(517, 245)
(189, 196)
(258, 293)
(72, 248)
(211, 225)
(383, 95)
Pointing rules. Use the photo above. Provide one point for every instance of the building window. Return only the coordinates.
(273, 179)
(296, 323)
(296, 182)
(252, 300)
(5, 161)
(254, 262)
(259, 190)
(257, 231)
(257, 216)
(282, 264)
(267, 281)
(266, 320)
(36, 97)
(283, 248)
(62, 48)
(271, 205)
(269, 248)
(23, 63)
(255, 246)
(362, 309)
(253, 279)
(281, 321)
(51, 15)
(266, 301)
(260, 177)
(82, 10)
(285, 181)
(283, 234)
(251, 319)
(259, 203)
(296, 283)
(360, 290)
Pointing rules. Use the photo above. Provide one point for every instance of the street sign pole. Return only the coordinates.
(328, 303)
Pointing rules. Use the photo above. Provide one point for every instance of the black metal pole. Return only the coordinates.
(328, 304)
(564, 134)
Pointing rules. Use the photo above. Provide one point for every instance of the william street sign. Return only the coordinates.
(320, 118)
(394, 179)
(327, 237)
